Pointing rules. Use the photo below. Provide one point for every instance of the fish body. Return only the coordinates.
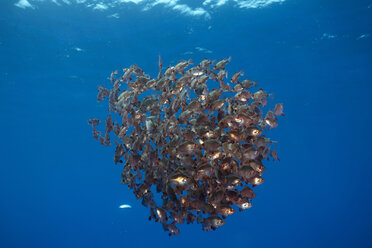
(160, 67)
(221, 64)
(212, 223)
(235, 77)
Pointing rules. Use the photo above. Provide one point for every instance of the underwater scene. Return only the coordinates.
(184, 123)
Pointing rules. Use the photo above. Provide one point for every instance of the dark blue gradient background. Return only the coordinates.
(60, 188)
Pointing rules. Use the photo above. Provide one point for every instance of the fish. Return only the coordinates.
(247, 84)
(125, 206)
(173, 230)
(180, 67)
(160, 67)
(225, 211)
(275, 155)
(119, 152)
(179, 180)
(257, 166)
(261, 97)
(211, 145)
(243, 204)
(205, 63)
(247, 192)
(112, 76)
(243, 96)
(255, 181)
(212, 223)
(247, 172)
(221, 64)
(234, 78)
(197, 150)
(279, 109)
(126, 75)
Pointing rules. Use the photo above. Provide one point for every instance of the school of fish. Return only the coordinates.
(190, 152)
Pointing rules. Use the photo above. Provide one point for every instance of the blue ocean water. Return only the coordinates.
(60, 188)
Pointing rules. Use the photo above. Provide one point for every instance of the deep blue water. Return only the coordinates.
(60, 188)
